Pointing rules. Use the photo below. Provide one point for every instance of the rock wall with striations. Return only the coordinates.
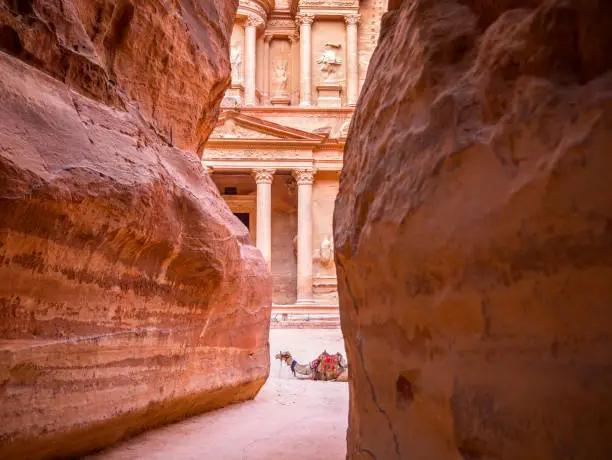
(130, 295)
(473, 234)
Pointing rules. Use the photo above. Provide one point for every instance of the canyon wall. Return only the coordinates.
(130, 295)
(473, 233)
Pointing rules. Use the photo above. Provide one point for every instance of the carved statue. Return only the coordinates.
(280, 77)
(326, 251)
(236, 62)
(329, 62)
(229, 129)
(343, 131)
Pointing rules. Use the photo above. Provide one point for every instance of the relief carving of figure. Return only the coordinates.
(280, 77)
(236, 62)
(329, 63)
(343, 131)
(326, 251)
(229, 129)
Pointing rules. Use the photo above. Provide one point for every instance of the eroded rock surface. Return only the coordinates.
(473, 234)
(130, 296)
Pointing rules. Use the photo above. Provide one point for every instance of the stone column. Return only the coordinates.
(293, 39)
(263, 237)
(352, 59)
(266, 70)
(305, 20)
(304, 179)
(250, 59)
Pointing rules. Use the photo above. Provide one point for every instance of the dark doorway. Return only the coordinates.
(244, 218)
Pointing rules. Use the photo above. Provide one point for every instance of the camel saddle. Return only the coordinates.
(327, 367)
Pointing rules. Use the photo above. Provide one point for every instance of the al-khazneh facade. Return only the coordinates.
(276, 153)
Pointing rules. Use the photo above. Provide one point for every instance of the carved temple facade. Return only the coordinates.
(276, 152)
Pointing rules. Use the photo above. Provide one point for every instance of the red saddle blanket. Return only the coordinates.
(327, 367)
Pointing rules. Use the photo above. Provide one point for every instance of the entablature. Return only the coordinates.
(328, 8)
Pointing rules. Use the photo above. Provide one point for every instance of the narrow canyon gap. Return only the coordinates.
(473, 234)
(130, 296)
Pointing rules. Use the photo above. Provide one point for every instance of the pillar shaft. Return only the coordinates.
(352, 59)
(304, 179)
(250, 60)
(305, 20)
(263, 237)
(293, 39)
(266, 69)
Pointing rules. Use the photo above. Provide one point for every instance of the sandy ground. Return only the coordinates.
(289, 419)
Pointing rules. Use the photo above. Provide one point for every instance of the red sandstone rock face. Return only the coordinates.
(168, 57)
(129, 294)
(473, 234)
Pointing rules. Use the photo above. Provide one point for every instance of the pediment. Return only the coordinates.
(229, 130)
(233, 125)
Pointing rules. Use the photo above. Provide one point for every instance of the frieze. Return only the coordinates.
(281, 23)
(331, 3)
(219, 154)
(328, 155)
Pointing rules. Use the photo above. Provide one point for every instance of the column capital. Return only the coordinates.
(304, 18)
(254, 21)
(351, 19)
(263, 175)
(268, 37)
(304, 176)
(293, 38)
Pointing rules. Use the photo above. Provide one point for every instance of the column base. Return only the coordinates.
(305, 104)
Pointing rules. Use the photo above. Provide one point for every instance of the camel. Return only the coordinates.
(324, 367)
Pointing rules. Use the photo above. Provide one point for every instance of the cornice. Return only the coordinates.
(270, 144)
(297, 109)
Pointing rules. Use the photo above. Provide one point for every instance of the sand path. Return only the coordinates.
(289, 419)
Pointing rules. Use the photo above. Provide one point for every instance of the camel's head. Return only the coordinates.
(284, 355)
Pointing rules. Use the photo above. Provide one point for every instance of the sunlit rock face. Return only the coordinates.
(130, 296)
(473, 234)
